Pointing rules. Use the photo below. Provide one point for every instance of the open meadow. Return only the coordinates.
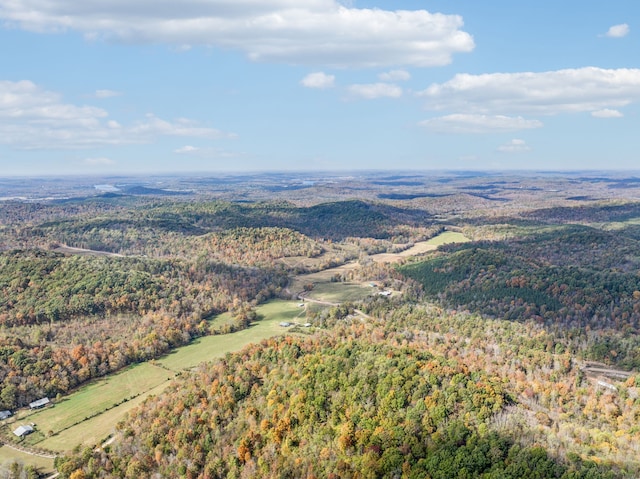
(209, 348)
(95, 398)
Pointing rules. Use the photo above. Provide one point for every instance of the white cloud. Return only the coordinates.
(607, 113)
(371, 91)
(319, 32)
(470, 123)
(33, 118)
(514, 146)
(618, 31)
(186, 149)
(106, 93)
(318, 80)
(99, 161)
(547, 93)
(395, 75)
(207, 152)
(153, 126)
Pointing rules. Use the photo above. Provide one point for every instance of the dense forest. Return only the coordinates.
(580, 281)
(344, 405)
(145, 229)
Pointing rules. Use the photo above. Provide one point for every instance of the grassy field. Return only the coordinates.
(214, 347)
(95, 430)
(339, 292)
(8, 455)
(448, 237)
(95, 398)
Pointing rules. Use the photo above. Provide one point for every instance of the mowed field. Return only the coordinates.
(339, 292)
(97, 429)
(209, 348)
(95, 398)
(422, 247)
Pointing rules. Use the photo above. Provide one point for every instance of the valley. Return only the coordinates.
(536, 299)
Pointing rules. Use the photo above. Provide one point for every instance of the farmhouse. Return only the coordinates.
(39, 403)
(5, 414)
(23, 431)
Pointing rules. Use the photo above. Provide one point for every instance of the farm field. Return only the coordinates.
(95, 430)
(213, 347)
(97, 397)
(421, 247)
(339, 292)
(443, 238)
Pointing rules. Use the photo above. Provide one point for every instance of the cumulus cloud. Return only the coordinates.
(316, 32)
(371, 91)
(618, 31)
(318, 80)
(34, 118)
(547, 93)
(514, 146)
(106, 93)
(395, 75)
(607, 113)
(471, 123)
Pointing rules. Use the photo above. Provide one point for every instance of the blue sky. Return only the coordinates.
(159, 86)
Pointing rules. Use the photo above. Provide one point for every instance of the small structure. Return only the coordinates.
(307, 325)
(607, 385)
(285, 324)
(5, 414)
(23, 431)
(40, 403)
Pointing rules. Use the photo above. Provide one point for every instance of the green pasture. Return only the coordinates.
(448, 237)
(339, 292)
(96, 430)
(209, 348)
(97, 397)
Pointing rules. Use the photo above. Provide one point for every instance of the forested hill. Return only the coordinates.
(122, 231)
(574, 279)
(343, 405)
(66, 319)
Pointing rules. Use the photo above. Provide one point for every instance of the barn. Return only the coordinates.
(40, 403)
(23, 431)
